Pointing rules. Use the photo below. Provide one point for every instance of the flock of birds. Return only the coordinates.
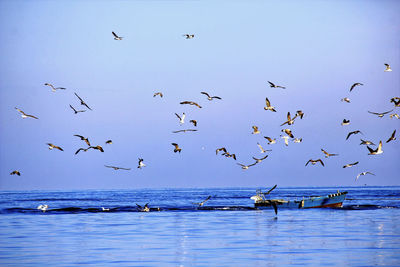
(287, 134)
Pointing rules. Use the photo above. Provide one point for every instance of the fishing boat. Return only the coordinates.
(329, 201)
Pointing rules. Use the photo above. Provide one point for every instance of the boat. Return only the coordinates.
(329, 201)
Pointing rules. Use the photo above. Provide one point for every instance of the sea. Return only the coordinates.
(107, 228)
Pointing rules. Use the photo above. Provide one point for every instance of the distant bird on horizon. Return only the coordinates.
(82, 102)
(15, 172)
(262, 149)
(366, 142)
(86, 139)
(97, 148)
(210, 97)
(181, 118)
(194, 122)
(354, 85)
(42, 207)
(270, 140)
(188, 36)
(376, 151)
(116, 37)
(289, 121)
(288, 132)
(327, 155)
(269, 107)
(380, 115)
(141, 163)
(350, 165)
(51, 146)
(364, 173)
(260, 160)
(255, 130)
(177, 148)
(346, 99)
(313, 162)
(392, 137)
(190, 103)
(345, 122)
(24, 115)
(158, 93)
(200, 204)
(272, 85)
(387, 67)
(353, 132)
(117, 168)
(76, 111)
(53, 89)
(185, 130)
(143, 209)
(246, 167)
(109, 142)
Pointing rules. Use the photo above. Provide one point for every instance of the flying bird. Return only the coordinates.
(158, 93)
(24, 115)
(86, 139)
(395, 101)
(228, 155)
(300, 113)
(375, 151)
(346, 99)
(366, 142)
(117, 168)
(51, 146)
(392, 138)
(354, 85)
(116, 37)
(210, 97)
(220, 149)
(190, 103)
(387, 67)
(269, 107)
(143, 209)
(186, 130)
(298, 140)
(80, 149)
(261, 159)
(54, 88)
(97, 147)
(353, 132)
(188, 36)
(181, 118)
(200, 204)
(380, 115)
(288, 132)
(363, 173)
(82, 102)
(272, 85)
(327, 155)
(289, 121)
(286, 139)
(108, 142)
(350, 165)
(270, 140)
(15, 172)
(246, 167)
(345, 122)
(141, 164)
(194, 122)
(76, 111)
(313, 162)
(394, 115)
(262, 149)
(177, 148)
(255, 130)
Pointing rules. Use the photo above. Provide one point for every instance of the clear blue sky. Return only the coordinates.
(317, 49)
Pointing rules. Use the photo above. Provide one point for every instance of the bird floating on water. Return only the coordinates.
(354, 85)
(387, 67)
(116, 37)
(15, 172)
(350, 165)
(269, 107)
(190, 103)
(210, 97)
(143, 209)
(376, 151)
(43, 207)
(363, 173)
(53, 89)
(272, 85)
(327, 155)
(51, 146)
(392, 137)
(117, 168)
(313, 162)
(24, 115)
(177, 148)
(76, 111)
(380, 115)
(82, 102)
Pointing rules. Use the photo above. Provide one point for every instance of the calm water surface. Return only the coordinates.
(227, 231)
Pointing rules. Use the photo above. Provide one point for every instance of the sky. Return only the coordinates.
(316, 49)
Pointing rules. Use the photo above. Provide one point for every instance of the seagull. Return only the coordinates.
(270, 140)
(246, 167)
(82, 102)
(380, 115)
(84, 149)
(354, 132)
(288, 132)
(259, 160)
(363, 173)
(181, 118)
(255, 130)
(210, 97)
(350, 165)
(269, 107)
(345, 122)
(262, 149)
(76, 111)
(54, 88)
(272, 85)
(395, 101)
(86, 139)
(51, 146)
(228, 155)
(108, 142)
(186, 130)
(141, 164)
(313, 162)
(15, 172)
(194, 122)
(376, 151)
(300, 113)
(143, 209)
(298, 140)
(220, 149)
(392, 137)
(387, 67)
(116, 37)
(394, 115)
(366, 142)
(354, 85)
(117, 168)
(97, 147)
(177, 148)
(105, 209)
(188, 36)
(286, 139)
(289, 121)
(346, 99)
(327, 155)
(204, 201)
(24, 115)
(158, 93)
(190, 103)
(43, 207)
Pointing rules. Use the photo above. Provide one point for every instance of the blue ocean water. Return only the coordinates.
(226, 231)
